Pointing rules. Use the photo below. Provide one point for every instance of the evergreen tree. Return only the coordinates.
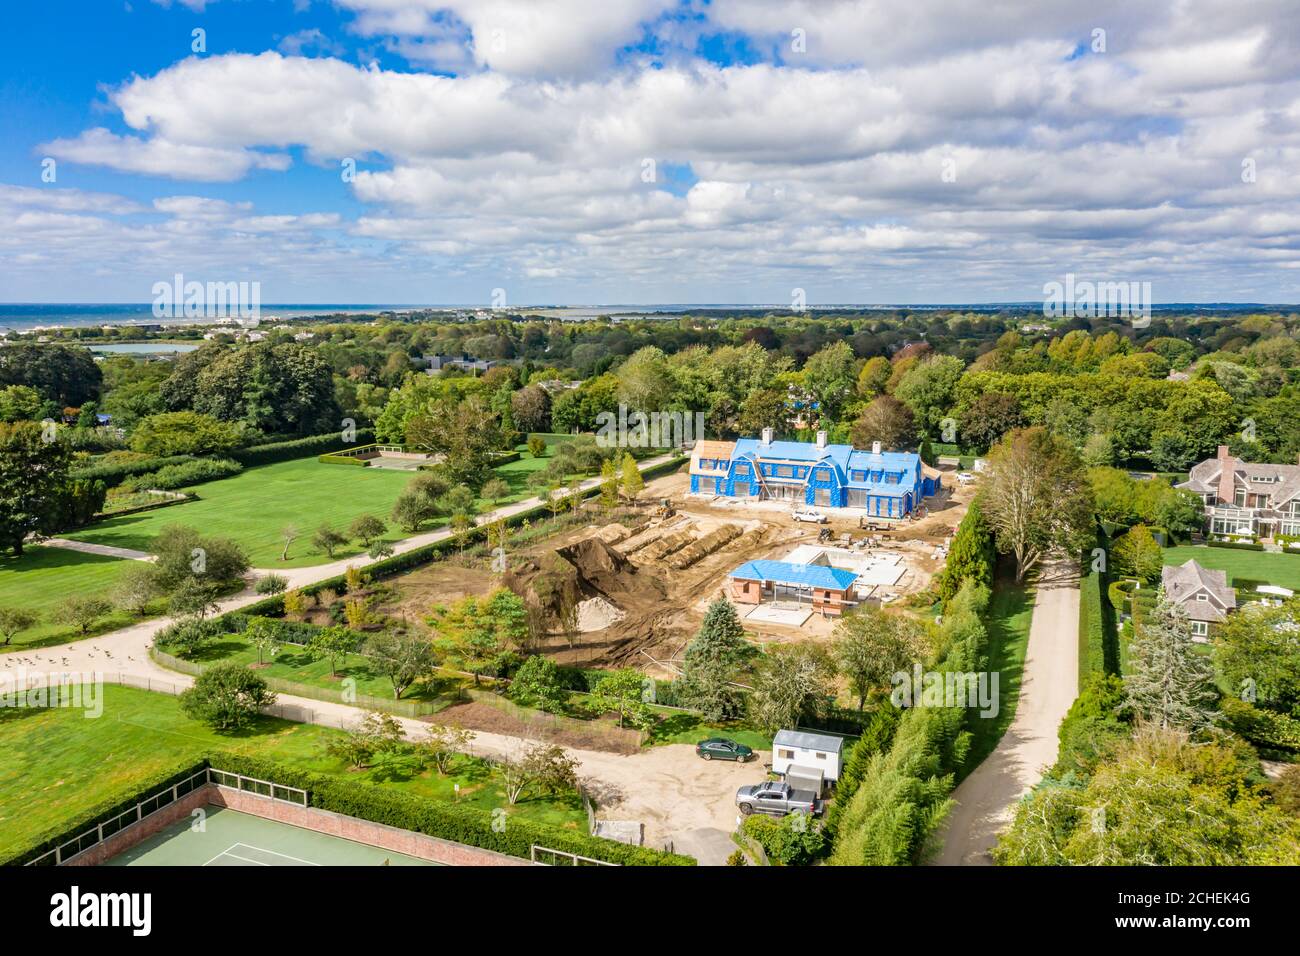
(712, 659)
(971, 556)
(926, 453)
(1168, 682)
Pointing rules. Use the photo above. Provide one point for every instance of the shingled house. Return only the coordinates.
(1245, 498)
(1201, 592)
(882, 483)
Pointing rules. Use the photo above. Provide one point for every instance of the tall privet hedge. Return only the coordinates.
(904, 794)
(972, 556)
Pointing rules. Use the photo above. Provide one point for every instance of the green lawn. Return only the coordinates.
(56, 763)
(1010, 610)
(679, 728)
(293, 663)
(43, 577)
(253, 506)
(1280, 569)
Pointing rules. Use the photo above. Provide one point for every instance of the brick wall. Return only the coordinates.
(362, 831)
(322, 821)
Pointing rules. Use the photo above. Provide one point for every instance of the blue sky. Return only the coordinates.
(640, 151)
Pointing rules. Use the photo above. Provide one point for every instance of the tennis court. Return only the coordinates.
(231, 838)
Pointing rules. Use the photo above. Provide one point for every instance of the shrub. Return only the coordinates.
(113, 472)
(794, 840)
(226, 697)
(272, 584)
(193, 472)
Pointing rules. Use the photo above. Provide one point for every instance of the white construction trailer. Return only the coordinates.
(809, 758)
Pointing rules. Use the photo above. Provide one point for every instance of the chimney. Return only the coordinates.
(821, 440)
(1227, 491)
(875, 448)
(767, 436)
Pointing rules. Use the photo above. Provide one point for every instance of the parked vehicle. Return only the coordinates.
(807, 514)
(965, 477)
(778, 798)
(720, 748)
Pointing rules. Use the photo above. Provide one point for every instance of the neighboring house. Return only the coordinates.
(1201, 592)
(811, 759)
(1243, 498)
(436, 363)
(881, 483)
(829, 590)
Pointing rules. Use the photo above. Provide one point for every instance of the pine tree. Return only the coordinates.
(712, 660)
(1168, 682)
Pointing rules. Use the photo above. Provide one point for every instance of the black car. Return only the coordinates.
(720, 748)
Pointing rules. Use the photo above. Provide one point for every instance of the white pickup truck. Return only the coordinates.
(808, 514)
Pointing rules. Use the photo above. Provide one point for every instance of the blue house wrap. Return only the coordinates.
(882, 483)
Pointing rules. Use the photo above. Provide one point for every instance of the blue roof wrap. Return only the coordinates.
(787, 572)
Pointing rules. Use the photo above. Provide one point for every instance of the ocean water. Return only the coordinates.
(29, 315)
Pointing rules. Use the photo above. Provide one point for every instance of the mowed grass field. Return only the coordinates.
(253, 507)
(43, 577)
(295, 663)
(1282, 570)
(57, 763)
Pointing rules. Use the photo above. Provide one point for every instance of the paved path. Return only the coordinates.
(667, 788)
(986, 799)
(107, 550)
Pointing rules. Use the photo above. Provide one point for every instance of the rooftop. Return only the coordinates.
(787, 572)
(807, 740)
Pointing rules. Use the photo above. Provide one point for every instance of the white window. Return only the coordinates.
(787, 754)
(1200, 628)
(1202, 597)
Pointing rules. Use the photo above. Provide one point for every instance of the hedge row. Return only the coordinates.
(299, 448)
(114, 473)
(459, 823)
(1264, 728)
(102, 813)
(1098, 629)
(185, 474)
(1236, 545)
(904, 794)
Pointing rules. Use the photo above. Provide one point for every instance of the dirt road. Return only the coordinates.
(985, 800)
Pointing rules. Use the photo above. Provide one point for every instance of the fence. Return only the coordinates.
(163, 797)
(545, 856)
(624, 739)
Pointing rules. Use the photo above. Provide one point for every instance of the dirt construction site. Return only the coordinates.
(632, 592)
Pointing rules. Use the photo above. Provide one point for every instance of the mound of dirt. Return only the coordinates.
(596, 614)
(558, 583)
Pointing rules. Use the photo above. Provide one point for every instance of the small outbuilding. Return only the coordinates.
(806, 755)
